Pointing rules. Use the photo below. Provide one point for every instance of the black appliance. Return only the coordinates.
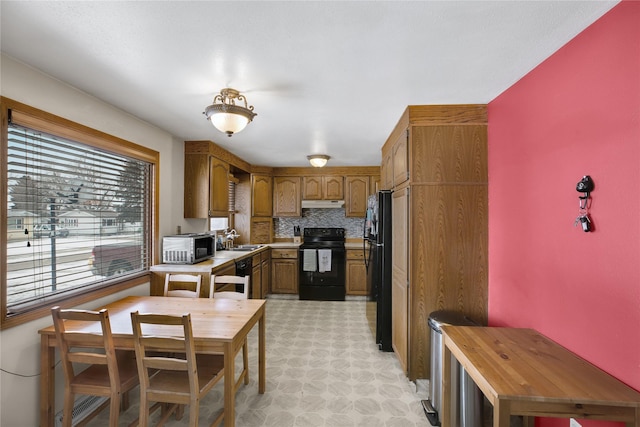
(321, 264)
(244, 267)
(377, 247)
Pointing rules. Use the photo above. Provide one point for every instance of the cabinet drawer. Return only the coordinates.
(255, 260)
(284, 253)
(355, 254)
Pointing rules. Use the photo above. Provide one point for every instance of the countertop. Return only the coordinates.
(222, 258)
(226, 257)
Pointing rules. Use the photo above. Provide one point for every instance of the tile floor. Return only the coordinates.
(322, 370)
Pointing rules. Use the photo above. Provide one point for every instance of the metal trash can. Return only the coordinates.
(465, 395)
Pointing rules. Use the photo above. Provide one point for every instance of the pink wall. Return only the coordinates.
(576, 114)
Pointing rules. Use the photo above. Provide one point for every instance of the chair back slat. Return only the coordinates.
(182, 285)
(235, 282)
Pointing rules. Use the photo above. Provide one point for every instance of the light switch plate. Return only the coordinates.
(574, 423)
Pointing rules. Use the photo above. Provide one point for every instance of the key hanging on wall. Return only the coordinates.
(584, 186)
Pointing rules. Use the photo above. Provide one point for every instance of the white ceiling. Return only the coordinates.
(330, 77)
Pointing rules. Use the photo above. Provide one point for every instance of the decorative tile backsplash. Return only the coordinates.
(283, 227)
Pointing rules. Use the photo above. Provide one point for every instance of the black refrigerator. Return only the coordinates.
(377, 247)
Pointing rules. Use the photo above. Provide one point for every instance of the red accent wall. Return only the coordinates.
(578, 113)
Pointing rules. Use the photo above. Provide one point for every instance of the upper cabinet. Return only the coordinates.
(386, 170)
(262, 192)
(261, 195)
(287, 194)
(400, 155)
(352, 184)
(357, 189)
(218, 188)
(206, 189)
(323, 188)
(207, 167)
(374, 184)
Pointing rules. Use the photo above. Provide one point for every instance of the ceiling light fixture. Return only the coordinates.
(225, 115)
(318, 160)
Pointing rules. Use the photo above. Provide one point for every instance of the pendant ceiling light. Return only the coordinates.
(225, 115)
(318, 160)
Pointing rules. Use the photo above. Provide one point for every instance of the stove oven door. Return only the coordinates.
(326, 279)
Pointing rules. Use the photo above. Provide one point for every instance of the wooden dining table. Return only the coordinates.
(220, 326)
(522, 372)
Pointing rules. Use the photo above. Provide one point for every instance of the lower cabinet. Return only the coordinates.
(261, 274)
(265, 261)
(284, 271)
(256, 277)
(356, 273)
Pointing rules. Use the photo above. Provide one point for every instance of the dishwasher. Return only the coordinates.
(243, 268)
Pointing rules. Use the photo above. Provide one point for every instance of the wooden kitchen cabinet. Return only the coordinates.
(253, 195)
(333, 187)
(261, 274)
(261, 195)
(284, 271)
(357, 192)
(206, 186)
(386, 170)
(400, 275)
(374, 184)
(287, 192)
(218, 188)
(356, 281)
(440, 229)
(400, 153)
(265, 261)
(256, 277)
(261, 230)
(323, 188)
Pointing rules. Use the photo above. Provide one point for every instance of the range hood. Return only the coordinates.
(312, 204)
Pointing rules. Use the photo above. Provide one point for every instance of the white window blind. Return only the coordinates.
(78, 217)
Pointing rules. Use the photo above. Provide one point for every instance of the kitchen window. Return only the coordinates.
(84, 201)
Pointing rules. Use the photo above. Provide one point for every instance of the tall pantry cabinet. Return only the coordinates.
(435, 161)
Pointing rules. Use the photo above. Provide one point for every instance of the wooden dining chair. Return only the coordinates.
(182, 285)
(233, 287)
(109, 373)
(230, 286)
(178, 376)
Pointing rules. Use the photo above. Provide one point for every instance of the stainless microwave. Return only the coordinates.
(188, 248)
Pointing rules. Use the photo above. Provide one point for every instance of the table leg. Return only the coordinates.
(229, 386)
(445, 410)
(47, 382)
(501, 413)
(262, 360)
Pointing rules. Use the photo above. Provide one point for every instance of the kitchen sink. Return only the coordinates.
(246, 248)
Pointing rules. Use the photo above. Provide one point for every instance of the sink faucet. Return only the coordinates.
(231, 235)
